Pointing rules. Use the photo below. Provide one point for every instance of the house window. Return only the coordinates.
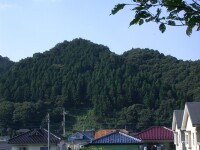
(23, 148)
(43, 148)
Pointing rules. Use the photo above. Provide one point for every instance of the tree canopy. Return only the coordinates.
(5, 64)
(164, 12)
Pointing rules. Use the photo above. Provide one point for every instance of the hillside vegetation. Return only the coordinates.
(5, 64)
(98, 88)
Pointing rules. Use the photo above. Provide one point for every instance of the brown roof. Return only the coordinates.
(103, 132)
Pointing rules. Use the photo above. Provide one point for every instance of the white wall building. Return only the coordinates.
(191, 125)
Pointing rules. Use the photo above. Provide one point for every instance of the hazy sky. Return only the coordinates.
(30, 26)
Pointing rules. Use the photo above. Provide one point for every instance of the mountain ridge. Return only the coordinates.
(134, 89)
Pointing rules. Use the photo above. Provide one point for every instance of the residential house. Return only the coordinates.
(179, 136)
(102, 132)
(4, 143)
(156, 138)
(79, 139)
(191, 125)
(116, 140)
(36, 139)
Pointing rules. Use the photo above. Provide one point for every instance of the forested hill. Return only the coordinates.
(135, 90)
(5, 64)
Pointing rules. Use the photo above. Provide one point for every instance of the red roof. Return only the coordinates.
(156, 133)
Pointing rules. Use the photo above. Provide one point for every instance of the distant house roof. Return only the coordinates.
(156, 133)
(22, 131)
(116, 137)
(35, 136)
(177, 119)
(103, 132)
(89, 133)
(82, 135)
(194, 111)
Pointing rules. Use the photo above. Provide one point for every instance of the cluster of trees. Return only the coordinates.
(5, 64)
(135, 90)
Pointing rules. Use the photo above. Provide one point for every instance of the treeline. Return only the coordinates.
(137, 89)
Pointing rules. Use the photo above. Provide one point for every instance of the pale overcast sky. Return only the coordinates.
(30, 26)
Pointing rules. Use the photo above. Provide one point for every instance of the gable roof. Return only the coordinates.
(116, 137)
(194, 111)
(89, 134)
(35, 136)
(156, 133)
(82, 135)
(103, 132)
(177, 119)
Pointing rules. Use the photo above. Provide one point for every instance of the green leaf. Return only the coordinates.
(162, 27)
(141, 21)
(189, 31)
(135, 20)
(171, 23)
(144, 14)
(117, 8)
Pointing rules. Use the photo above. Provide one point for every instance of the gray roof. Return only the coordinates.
(179, 117)
(35, 136)
(82, 135)
(194, 112)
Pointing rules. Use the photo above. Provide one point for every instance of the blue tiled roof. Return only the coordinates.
(116, 137)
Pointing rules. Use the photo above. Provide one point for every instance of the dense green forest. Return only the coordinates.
(98, 88)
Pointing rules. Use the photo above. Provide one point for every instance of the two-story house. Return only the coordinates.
(191, 125)
(186, 127)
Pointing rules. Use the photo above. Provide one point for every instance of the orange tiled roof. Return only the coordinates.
(103, 132)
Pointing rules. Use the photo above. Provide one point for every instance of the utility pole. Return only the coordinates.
(48, 119)
(64, 113)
